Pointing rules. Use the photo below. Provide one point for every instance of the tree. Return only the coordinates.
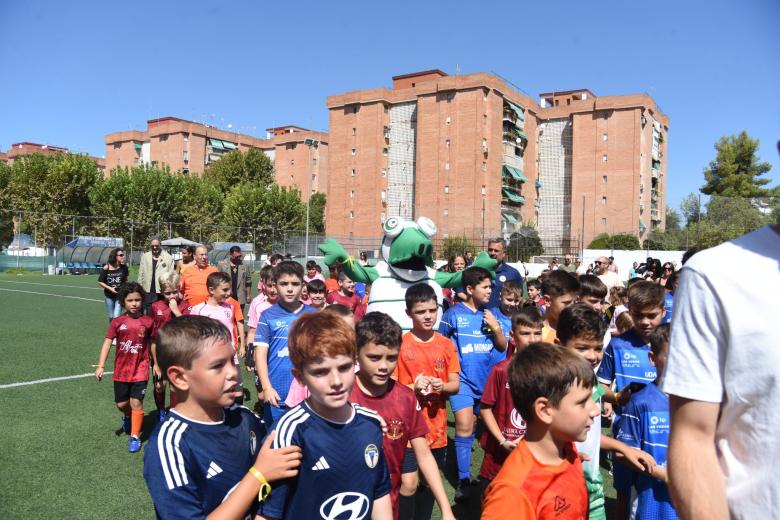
(736, 170)
(272, 211)
(691, 209)
(672, 220)
(457, 246)
(6, 224)
(523, 244)
(728, 218)
(317, 213)
(237, 167)
(200, 210)
(600, 241)
(621, 241)
(49, 187)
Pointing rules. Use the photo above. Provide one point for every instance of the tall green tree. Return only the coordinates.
(736, 170)
(273, 211)
(691, 209)
(238, 167)
(317, 213)
(6, 224)
(49, 187)
(672, 219)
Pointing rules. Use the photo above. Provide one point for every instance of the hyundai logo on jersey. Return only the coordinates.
(354, 504)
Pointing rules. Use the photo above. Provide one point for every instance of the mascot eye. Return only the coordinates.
(427, 226)
(393, 227)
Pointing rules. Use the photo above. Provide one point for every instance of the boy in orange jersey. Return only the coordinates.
(429, 365)
(542, 478)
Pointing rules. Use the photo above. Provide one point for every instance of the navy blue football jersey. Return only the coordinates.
(343, 469)
(190, 467)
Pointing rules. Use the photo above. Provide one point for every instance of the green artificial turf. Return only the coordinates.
(61, 455)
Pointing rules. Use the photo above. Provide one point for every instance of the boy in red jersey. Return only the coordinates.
(552, 389)
(504, 426)
(133, 334)
(162, 311)
(429, 365)
(378, 344)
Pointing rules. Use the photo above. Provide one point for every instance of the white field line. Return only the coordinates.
(50, 294)
(53, 285)
(50, 380)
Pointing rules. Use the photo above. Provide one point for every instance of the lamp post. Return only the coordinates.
(311, 143)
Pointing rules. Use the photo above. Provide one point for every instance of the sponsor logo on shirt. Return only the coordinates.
(462, 321)
(337, 507)
(284, 352)
(395, 429)
(129, 347)
(123, 327)
(560, 505)
(371, 455)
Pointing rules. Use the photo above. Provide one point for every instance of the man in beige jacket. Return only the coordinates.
(153, 265)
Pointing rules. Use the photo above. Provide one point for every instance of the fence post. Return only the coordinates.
(131, 244)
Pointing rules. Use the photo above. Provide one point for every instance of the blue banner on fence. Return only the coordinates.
(87, 241)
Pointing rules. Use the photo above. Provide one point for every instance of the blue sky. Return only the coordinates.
(75, 71)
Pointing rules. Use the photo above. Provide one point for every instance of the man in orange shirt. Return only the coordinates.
(193, 278)
(429, 365)
(542, 478)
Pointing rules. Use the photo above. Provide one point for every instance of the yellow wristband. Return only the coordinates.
(265, 487)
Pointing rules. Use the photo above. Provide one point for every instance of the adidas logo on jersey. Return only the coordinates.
(321, 464)
(213, 471)
(123, 327)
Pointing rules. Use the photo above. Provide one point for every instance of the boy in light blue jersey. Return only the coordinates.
(344, 473)
(509, 303)
(645, 426)
(272, 358)
(626, 365)
(477, 336)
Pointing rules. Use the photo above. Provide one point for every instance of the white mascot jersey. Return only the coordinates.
(388, 292)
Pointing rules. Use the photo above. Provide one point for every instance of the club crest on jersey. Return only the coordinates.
(371, 455)
(252, 442)
(395, 430)
(438, 365)
(142, 332)
(516, 420)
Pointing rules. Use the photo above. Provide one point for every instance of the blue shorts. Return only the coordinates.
(461, 401)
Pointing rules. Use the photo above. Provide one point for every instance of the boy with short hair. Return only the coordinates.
(317, 294)
(219, 308)
(477, 335)
(206, 458)
(378, 347)
(133, 333)
(626, 365)
(346, 294)
(509, 301)
(593, 292)
(312, 273)
(645, 426)
(272, 358)
(265, 298)
(581, 328)
(429, 365)
(542, 477)
(560, 290)
(535, 294)
(344, 469)
(504, 427)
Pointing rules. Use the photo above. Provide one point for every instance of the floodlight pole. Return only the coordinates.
(311, 143)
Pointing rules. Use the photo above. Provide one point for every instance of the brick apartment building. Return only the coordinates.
(480, 158)
(189, 147)
(27, 148)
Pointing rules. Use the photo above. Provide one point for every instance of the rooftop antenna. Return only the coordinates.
(457, 69)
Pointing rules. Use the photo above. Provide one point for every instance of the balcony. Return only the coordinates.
(655, 215)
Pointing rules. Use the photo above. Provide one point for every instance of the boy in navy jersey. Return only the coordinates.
(344, 471)
(379, 344)
(272, 358)
(133, 334)
(477, 334)
(205, 459)
(645, 426)
(626, 363)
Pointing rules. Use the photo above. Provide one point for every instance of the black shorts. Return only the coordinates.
(409, 464)
(124, 391)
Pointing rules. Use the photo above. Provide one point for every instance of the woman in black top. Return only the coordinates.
(112, 275)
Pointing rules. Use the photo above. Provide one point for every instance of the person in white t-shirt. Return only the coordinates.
(601, 269)
(722, 379)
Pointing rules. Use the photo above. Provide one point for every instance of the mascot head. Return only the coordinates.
(407, 244)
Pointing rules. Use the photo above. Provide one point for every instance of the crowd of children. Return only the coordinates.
(354, 411)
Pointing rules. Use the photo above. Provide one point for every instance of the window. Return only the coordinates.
(446, 212)
(483, 189)
(606, 115)
(604, 158)
(568, 101)
(604, 179)
(352, 214)
(448, 120)
(447, 143)
(164, 137)
(185, 171)
(484, 119)
(446, 189)
(384, 152)
(484, 166)
(604, 221)
(604, 136)
(354, 131)
(186, 138)
(292, 162)
(382, 218)
(185, 156)
(314, 161)
(119, 145)
(354, 151)
(353, 172)
(447, 166)
(604, 200)
(352, 194)
(383, 195)
(556, 102)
